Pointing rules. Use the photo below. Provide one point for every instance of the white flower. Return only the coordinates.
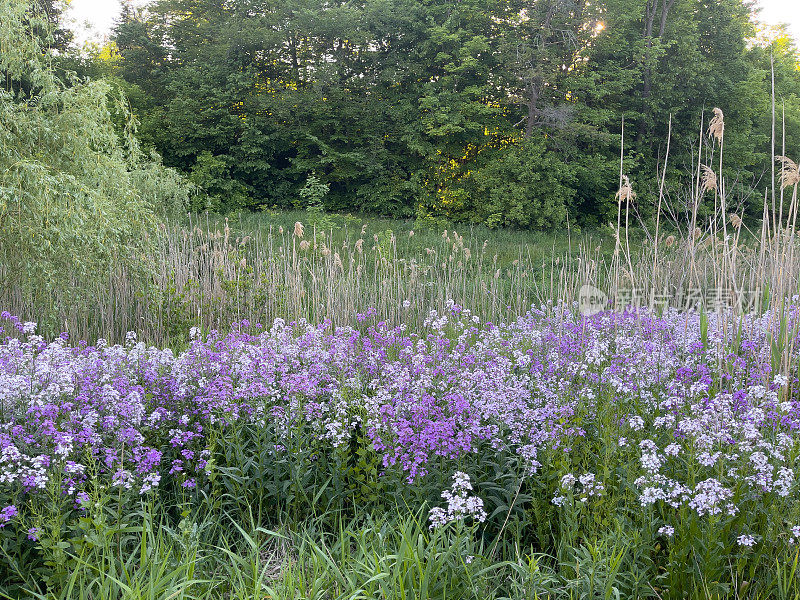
(795, 534)
(567, 481)
(709, 494)
(672, 450)
(459, 504)
(708, 460)
(746, 540)
(651, 495)
(667, 531)
(591, 487)
(636, 423)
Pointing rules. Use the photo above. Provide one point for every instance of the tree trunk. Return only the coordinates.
(536, 80)
(650, 10)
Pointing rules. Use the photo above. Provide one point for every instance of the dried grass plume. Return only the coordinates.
(716, 127)
(790, 171)
(709, 179)
(625, 192)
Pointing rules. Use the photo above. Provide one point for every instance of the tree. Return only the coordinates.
(400, 106)
(76, 198)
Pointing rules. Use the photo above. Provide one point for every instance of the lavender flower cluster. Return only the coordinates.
(706, 426)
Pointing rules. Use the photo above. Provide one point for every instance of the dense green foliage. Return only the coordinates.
(506, 113)
(77, 194)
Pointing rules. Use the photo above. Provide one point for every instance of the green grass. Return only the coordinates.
(508, 244)
(392, 557)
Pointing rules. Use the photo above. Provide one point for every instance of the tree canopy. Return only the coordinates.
(78, 195)
(506, 112)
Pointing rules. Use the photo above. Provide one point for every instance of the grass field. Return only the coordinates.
(208, 271)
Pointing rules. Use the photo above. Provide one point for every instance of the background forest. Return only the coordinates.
(502, 112)
(501, 115)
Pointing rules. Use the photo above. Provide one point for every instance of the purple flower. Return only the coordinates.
(6, 514)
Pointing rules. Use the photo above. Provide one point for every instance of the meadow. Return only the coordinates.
(309, 405)
(300, 404)
(435, 415)
(619, 455)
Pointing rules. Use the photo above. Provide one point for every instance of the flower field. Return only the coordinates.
(626, 454)
(399, 300)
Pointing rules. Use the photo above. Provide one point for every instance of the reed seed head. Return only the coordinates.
(625, 192)
(716, 126)
(790, 171)
(709, 179)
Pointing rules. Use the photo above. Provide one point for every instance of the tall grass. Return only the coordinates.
(207, 272)
(390, 558)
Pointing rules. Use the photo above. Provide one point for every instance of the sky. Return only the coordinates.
(782, 11)
(93, 19)
(100, 15)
